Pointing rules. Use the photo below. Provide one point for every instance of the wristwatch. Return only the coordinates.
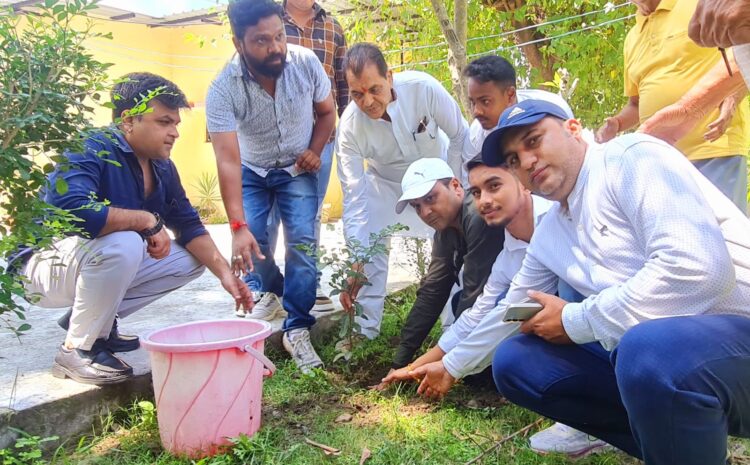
(148, 232)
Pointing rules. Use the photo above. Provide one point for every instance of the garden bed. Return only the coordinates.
(336, 408)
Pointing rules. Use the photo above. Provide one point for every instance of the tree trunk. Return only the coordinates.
(455, 34)
(531, 52)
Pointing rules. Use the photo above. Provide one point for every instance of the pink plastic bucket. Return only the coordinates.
(208, 382)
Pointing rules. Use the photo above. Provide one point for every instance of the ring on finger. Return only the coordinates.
(237, 257)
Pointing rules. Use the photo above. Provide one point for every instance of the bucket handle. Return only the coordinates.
(270, 368)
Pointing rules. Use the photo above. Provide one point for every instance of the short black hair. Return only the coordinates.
(131, 90)
(359, 55)
(492, 68)
(245, 13)
(474, 163)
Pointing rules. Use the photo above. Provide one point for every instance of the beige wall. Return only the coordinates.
(175, 54)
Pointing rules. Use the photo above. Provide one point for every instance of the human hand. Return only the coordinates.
(244, 246)
(308, 161)
(726, 112)
(397, 375)
(159, 244)
(720, 23)
(353, 284)
(239, 291)
(671, 123)
(547, 324)
(436, 381)
(608, 130)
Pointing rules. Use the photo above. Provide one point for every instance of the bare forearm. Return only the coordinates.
(204, 250)
(433, 355)
(713, 88)
(322, 131)
(230, 185)
(628, 117)
(121, 219)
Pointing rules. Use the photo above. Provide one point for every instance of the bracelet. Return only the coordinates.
(148, 232)
(236, 225)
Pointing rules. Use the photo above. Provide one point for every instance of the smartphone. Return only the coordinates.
(521, 312)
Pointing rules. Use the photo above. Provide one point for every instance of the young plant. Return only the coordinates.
(418, 250)
(347, 265)
(208, 195)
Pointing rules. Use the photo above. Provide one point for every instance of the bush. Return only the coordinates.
(48, 85)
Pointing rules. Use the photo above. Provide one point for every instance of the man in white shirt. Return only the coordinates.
(391, 121)
(492, 89)
(655, 359)
(501, 201)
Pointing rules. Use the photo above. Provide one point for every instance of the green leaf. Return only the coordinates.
(61, 186)
(24, 327)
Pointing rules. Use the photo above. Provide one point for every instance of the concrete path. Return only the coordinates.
(32, 400)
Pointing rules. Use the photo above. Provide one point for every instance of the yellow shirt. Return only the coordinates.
(662, 64)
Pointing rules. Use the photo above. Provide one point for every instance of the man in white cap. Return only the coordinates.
(391, 121)
(462, 239)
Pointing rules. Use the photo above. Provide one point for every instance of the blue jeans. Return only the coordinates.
(670, 393)
(274, 218)
(296, 200)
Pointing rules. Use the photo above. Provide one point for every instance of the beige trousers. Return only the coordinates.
(104, 277)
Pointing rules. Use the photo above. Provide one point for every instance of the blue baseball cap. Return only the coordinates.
(524, 113)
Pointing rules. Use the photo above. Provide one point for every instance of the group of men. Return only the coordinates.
(636, 250)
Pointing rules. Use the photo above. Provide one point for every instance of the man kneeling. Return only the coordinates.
(123, 259)
(655, 359)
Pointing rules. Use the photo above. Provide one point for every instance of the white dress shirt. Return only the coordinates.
(646, 236)
(389, 147)
(506, 265)
(477, 134)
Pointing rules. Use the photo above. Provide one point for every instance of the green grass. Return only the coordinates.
(397, 426)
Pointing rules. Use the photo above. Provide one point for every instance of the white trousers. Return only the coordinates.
(104, 277)
(382, 196)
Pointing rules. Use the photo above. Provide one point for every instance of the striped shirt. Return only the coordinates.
(272, 131)
(324, 36)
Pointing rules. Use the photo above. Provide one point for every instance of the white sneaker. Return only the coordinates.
(297, 343)
(323, 303)
(563, 439)
(267, 308)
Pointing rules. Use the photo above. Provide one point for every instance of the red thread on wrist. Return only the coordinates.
(235, 225)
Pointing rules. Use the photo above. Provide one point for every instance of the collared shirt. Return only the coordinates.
(662, 64)
(506, 265)
(742, 55)
(324, 36)
(272, 131)
(99, 183)
(477, 134)
(474, 248)
(391, 146)
(645, 236)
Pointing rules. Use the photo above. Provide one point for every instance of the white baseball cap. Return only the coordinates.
(420, 178)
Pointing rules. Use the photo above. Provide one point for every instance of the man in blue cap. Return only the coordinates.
(655, 359)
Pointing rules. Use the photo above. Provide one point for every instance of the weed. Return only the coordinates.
(26, 451)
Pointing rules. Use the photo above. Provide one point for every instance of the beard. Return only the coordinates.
(266, 67)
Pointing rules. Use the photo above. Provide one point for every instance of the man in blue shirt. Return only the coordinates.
(126, 192)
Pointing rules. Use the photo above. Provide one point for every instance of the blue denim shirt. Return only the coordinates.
(95, 179)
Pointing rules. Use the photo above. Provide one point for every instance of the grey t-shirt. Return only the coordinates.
(272, 132)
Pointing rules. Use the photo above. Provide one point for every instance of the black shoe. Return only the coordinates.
(97, 366)
(116, 342)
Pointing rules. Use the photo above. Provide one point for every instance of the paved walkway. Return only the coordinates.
(25, 382)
